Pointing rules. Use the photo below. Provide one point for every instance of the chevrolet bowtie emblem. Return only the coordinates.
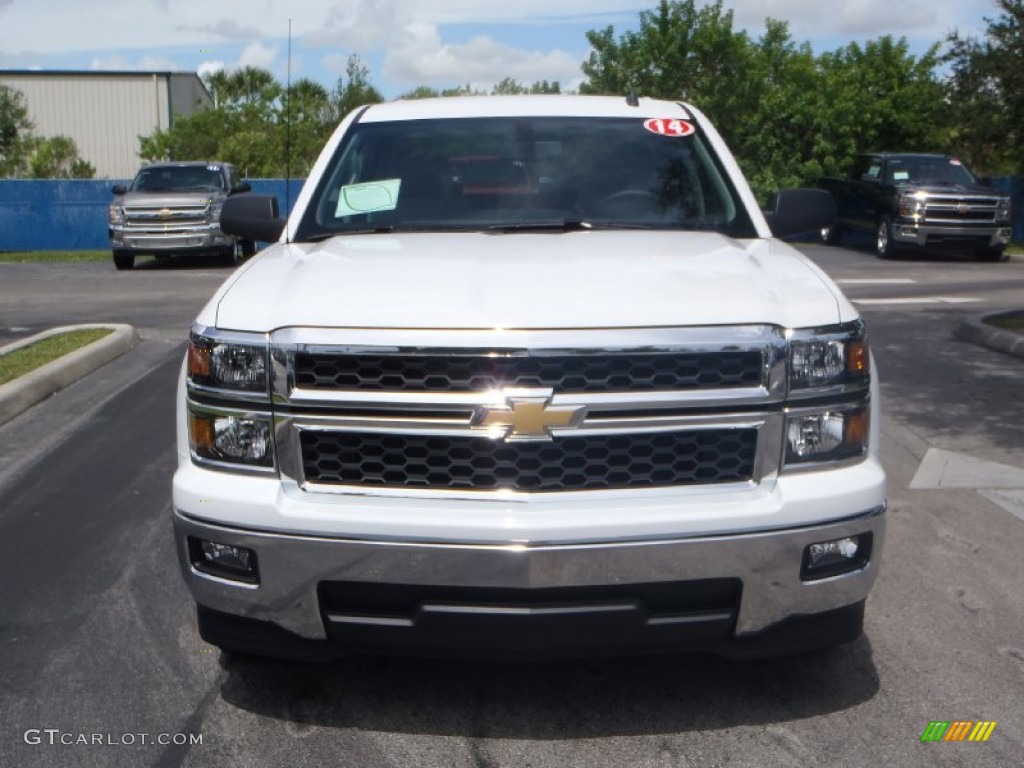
(165, 213)
(528, 418)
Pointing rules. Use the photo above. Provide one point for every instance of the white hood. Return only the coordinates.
(587, 279)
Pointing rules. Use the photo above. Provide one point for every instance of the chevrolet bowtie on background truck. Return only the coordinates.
(528, 376)
(920, 201)
(174, 208)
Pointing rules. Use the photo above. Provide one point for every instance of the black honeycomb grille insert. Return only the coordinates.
(598, 462)
(563, 373)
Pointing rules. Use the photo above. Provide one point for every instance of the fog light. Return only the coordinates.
(223, 560)
(831, 558)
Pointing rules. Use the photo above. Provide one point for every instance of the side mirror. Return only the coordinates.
(119, 189)
(801, 212)
(253, 217)
(240, 188)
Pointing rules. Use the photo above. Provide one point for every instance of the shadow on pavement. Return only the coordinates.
(552, 700)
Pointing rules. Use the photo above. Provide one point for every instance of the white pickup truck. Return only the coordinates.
(528, 376)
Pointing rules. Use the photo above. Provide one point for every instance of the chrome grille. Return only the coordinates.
(508, 368)
(149, 217)
(592, 462)
(947, 209)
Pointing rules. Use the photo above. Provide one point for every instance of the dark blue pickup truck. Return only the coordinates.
(919, 201)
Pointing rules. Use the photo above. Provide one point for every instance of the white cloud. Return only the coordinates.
(334, 63)
(421, 57)
(226, 28)
(145, 64)
(258, 55)
(858, 19)
(359, 24)
(209, 67)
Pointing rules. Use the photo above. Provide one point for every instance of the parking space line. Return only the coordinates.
(920, 300)
(876, 281)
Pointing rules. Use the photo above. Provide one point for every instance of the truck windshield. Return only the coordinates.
(179, 179)
(522, 173)
(930, 170)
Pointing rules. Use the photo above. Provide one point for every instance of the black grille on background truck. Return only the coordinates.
(563, 373)
(592, 462)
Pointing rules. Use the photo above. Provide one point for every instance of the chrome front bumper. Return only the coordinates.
(928, 234)
(196, 238)
(292, 568)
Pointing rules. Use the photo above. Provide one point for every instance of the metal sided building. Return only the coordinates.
(106, 112)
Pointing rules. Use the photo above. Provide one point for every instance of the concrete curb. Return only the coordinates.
(974, 329)
(24, 392)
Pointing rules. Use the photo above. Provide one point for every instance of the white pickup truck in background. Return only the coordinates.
(528, 376)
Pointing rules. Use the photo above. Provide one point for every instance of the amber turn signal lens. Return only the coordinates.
(857, 428)
(857, 357)
(200, 432)
(198, 360)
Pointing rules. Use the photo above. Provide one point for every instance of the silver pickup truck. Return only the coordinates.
(174, 208)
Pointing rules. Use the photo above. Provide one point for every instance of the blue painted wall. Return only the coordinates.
(48, 215)
(1015, 186)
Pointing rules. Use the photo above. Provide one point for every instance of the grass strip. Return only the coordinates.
(21, 361)
(28, 257)
(1011, 321)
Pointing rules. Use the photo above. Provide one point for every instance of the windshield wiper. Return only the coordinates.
(570, 225)
(543, 225)
(319, 237)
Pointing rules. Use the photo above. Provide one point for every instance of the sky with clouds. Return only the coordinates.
(406, 43)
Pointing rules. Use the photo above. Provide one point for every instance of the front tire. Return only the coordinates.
(884, 246)
(124, 260)
(990, 254)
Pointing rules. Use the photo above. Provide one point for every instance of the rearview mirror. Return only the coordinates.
(801, 212)
(253, 217)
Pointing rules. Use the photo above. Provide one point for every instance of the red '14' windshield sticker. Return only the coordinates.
(669, 126)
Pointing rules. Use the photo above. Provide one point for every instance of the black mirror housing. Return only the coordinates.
(119, 189)
(253, 217)
(801, 212)
(240, 188)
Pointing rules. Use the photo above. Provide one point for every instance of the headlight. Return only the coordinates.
(827, 435)
(224, 364)
(1003, 210)
(828, 358)
(912, 205)
(115, 214)
(229, 437)
(214, 212)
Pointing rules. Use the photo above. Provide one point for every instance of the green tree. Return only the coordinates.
(543, 86)
(509, 86)
(308, 120)
(421, 92)
(353, 89)
(679, 51)
(57, 158)
(462, 90)
(986, 91)
(788, 116)
(14, 130)
(253, 125)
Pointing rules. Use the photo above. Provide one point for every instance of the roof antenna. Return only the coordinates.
(632, 99)
(288, 138)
